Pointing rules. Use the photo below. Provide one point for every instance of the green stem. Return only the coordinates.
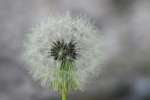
(64, 96)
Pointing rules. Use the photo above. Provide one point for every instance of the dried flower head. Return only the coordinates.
(61, 41)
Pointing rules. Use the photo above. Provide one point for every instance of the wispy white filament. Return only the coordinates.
(89, 43)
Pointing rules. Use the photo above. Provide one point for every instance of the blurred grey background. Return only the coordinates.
(125, 25)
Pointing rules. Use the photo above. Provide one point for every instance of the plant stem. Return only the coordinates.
(64, 96)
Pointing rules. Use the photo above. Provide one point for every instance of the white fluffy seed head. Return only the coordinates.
(89, 41)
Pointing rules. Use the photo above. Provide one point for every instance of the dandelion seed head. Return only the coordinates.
(42, 48)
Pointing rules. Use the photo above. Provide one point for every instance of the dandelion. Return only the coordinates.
(62, 52)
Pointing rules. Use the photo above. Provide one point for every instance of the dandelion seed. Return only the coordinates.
(63, 52)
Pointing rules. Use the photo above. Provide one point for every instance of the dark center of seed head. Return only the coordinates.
(62, 51)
